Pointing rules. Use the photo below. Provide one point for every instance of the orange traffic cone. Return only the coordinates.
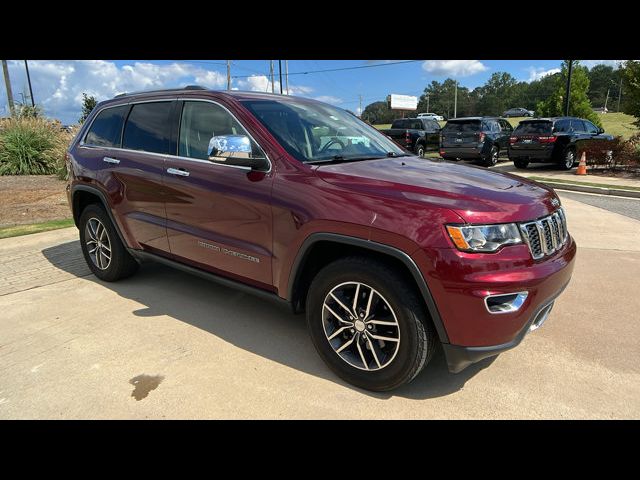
(582, 166)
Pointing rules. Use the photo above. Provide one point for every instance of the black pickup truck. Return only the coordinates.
(415, 134)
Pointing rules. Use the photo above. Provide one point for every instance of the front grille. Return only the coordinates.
(546, 235)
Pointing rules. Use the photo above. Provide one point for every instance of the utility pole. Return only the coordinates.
(455, 101)
(7, 83)
(228, 74)
(360, 107)
(280, 74)
(26, 67)
(620, 92)
(568, 91)
(286, 74)
(428, 103)
(273, 86)
(606, 100)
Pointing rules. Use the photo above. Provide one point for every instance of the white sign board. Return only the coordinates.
(403, 102)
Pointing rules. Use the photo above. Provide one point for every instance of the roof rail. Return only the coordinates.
(188, 87)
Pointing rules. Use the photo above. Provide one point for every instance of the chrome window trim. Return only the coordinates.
(168, 155)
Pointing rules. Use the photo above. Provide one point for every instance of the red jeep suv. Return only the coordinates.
(303, 203)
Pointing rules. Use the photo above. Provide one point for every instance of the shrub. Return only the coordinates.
(32, 146)
(615, 155)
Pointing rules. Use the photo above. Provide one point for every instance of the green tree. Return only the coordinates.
(88, 104)
(441, 99)
(497, 95)
(603, 79)
(579, 104)
(378, 113)
(631, 89)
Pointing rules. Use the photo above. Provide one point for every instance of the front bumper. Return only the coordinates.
(460, 357)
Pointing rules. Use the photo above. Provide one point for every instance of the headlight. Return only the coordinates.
(484, 238)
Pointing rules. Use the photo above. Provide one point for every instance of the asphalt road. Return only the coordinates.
(164, 344)
(629, 207)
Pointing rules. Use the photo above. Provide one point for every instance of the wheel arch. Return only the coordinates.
(83, 195)
(321, 248)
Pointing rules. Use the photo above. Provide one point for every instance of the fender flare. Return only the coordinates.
(103, 199)
(314, 238)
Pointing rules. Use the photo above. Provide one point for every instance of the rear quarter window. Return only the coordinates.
(148, 128)
(106, 129)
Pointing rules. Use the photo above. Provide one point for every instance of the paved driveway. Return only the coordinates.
(164, 344)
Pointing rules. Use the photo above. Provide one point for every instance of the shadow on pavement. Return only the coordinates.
(248, 322)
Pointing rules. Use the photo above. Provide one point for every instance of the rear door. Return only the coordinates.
(136, 172)
(461, 134)
(505, 133)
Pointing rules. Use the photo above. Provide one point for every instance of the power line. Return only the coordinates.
(342, 69)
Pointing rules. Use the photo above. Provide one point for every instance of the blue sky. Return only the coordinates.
(58, 85)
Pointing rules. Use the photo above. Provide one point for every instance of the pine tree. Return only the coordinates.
(88, 103)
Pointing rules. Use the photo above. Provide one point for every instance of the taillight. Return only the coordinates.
(407, 138)
(550, 139)
(513, 140)
(481, 136)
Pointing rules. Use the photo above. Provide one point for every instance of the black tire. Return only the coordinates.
(420, 150)
(522, 164)
(417, 336)
(568, 159)
(491, 159)
(121, 264)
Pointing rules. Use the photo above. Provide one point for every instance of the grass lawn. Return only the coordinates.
(17, 230)
(613, 123)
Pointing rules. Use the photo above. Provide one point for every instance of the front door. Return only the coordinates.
(218, 215)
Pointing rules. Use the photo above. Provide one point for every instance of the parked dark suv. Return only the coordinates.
(552, 140)
(417, 135)
(475, 138)
(304, 204)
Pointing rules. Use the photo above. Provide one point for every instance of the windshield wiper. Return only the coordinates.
(341, 159)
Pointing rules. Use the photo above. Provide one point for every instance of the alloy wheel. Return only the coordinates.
(361, 326)
(98, 243)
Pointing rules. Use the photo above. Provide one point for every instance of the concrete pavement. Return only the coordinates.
(164, 344)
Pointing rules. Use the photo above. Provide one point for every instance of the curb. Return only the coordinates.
(590, 189)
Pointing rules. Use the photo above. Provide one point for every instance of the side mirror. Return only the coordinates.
(600, 131)
(233, 150)
(227, 146)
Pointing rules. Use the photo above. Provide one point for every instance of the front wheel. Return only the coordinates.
(368, 324)
(568, 159)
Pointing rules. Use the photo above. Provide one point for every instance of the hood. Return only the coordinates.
(476, 194)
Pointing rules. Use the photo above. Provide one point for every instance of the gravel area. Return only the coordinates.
(28, 199)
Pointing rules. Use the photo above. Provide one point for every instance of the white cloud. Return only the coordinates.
(262, 83)
(58, 85)
(328, 99)
(456, 68)
(536, 73)
(593, 63)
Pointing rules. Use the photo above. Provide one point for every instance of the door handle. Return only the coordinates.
(175, 171)
(111, 160)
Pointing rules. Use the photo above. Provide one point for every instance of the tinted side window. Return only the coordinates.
(591, 128)
(577, 125)
(433, 125)
(148, 128)
(561, 126)
(203, 120)
(106, 129)
(506, 126)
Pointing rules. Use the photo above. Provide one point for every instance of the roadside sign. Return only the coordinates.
(402, 102)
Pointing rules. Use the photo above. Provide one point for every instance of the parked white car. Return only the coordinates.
(437, 118)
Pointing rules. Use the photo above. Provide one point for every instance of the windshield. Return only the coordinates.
(462, 126)
(312, 131)
(533, 128)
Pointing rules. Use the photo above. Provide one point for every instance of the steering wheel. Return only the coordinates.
(331, 142)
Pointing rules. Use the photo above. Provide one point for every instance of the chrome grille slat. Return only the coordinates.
(546, 235)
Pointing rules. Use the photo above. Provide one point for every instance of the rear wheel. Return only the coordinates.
(103, 251)
(521, 163)
(368, 324)
(420, 150)
(568, 159)
(492, 159)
